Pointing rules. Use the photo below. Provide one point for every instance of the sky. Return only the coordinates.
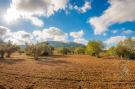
(110, 21)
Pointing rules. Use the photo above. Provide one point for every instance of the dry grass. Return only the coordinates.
(66, 72)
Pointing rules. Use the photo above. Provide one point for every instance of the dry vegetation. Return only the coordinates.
(66, 72)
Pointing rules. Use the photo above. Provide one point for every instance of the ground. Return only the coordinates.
(66, 72)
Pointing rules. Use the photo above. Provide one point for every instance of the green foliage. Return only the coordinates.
(2, 49)
(126, 49)
(7, 48)
(71, 50)
(63, 50)
(111, 51)
(122, 51)
(80, 50)
(40, 49)
(94, 48)
(11, 48)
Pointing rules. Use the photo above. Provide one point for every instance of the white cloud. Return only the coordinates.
(3, 31)
(114, 31)
(33, 9)
(81, 41)
(78, 34)
(21, 37)
(36, 21)
(84, 8)
(49, 34)
(78, 37)
(127, 31)
(114, 40)
(120, 11)
(52, 33)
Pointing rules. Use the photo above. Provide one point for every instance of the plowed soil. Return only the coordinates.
(66, 72)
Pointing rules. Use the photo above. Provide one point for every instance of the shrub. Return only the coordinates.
(7, 48)
(39, 49)
(62, 50)
(126, 49)
(80, 50)
(94, 48)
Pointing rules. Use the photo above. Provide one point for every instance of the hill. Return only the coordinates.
(58, 44)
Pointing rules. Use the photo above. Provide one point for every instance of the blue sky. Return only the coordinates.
(71, 20)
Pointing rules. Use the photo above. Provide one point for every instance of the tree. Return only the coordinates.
(94, 48)
(10, 48)
(70, 50)
(63, 50)
(126, 48)
(47, 49)
(111, 51)
(33, 50)
(2, 49)
(7, 48)
(39, 49)
(80, 50)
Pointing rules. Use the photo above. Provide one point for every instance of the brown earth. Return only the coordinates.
(66, 72)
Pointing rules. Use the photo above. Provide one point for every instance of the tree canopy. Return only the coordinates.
(94, 48)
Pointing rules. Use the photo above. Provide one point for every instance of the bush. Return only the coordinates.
(7, 48)
(63, 50)
(80, 50)
(94, 48)
(126, 49)
(39, 49)
(111, 51)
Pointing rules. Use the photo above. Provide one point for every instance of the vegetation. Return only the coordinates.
(39, 49)
(63, 50)
(2, 50)
(80, 50)
(94, 48)
(124, 49)
(111, 51)
(71, 50)
(10, 48)
(7, 48)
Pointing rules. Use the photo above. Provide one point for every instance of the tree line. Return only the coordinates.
(124, 49)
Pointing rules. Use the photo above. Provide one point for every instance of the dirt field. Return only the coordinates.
(66, 72)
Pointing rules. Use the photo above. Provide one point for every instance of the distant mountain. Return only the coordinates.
(58, 44)
(22, 46)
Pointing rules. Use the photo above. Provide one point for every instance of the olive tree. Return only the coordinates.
(126, 48)
(2, 50)
(62, 50)
(94, 48)
(10, 48)
(7, 48)
(39, 49)
(111, 51)
(80, 50)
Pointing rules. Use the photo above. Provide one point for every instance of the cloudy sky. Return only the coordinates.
(24, 21)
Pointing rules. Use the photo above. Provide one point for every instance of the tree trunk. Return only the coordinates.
(2, 55)
(8, 54)
(36, 55)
